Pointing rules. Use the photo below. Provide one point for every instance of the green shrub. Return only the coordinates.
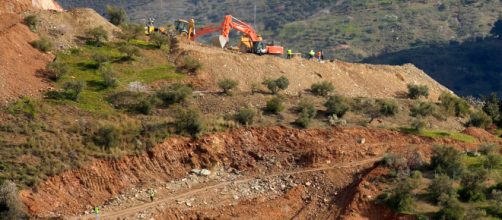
(395, 161)
(190, 65)
(130, 51)
(480, 119)
(447, 160)
(116, 15)
(101, 58)
(442, 184)
(275, 105)
(472, 183)
(415, 174)
(401, 198)
(389, 108)
(72, 90)
(31, 21)
(282, 82)
(175, 93)
(245, 116)
(227, 85)
(418, 125)
(303, 120)
(454, 105)
(43, 44)
(138, 102)
(307, 112)
(423, 109)
(98, 35)
(336, 105)
(131, 31)
(159, 39)
(56, 70)
(24, 106)
(276, 85)
(188, 122)
(307, 107)
(11, 207)
(415, 91)
(322, 88)
(106, 136)
(486, 149)
(492, 107)
(492, 160)
(452, 209)
(108, 76)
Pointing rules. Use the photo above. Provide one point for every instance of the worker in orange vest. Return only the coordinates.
(319, 55)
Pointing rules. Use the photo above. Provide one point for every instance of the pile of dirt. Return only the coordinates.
(19, 60)
(353, 80)
(20, 6)
(480, 134)
(66, 29)
(251, 151)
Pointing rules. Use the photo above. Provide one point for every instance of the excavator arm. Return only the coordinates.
(230, 23)
(211, 28)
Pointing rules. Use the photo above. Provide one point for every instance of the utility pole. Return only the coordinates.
(254, 21)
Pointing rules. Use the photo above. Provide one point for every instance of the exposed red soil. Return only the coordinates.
(480, 134)
(362, 196)
(247, 150)
(19, 60)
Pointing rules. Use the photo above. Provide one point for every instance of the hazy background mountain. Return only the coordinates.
(438, 36)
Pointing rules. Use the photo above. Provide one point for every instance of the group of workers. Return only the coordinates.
(150, 192)
(311, 55)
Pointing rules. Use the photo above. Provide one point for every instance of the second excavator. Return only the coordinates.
(251, 41)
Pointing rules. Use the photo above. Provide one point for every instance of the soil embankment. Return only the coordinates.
(349, 79)
(254, 151)
(19, 60)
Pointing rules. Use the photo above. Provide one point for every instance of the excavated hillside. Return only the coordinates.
(19, 60)
(349, 79)
(283, 158)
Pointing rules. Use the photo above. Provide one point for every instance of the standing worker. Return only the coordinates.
(151, 193)
(290, 54)
(191, 28)
(96, 211)
(311, 54)
(319, 56)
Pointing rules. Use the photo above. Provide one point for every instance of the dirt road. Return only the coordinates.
(138, 208)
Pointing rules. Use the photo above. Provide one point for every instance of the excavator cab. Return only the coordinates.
(181, 27)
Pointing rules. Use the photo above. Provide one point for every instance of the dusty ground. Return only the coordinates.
(247, 155)
(353, 80)
(67, 29)
(19, 60)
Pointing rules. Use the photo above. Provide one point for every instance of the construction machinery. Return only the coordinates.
(150, 27)
(251, 41)
(181, 26)
(186, 29)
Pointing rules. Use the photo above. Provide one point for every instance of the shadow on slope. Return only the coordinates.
(473, 67)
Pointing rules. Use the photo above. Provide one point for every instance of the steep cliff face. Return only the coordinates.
(20, 61)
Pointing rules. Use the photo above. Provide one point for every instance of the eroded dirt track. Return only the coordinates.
(131, 211)
(250, 152)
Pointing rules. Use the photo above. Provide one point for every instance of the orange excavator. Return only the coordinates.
(250, 42)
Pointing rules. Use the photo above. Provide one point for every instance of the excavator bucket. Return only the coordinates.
(223, 41)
